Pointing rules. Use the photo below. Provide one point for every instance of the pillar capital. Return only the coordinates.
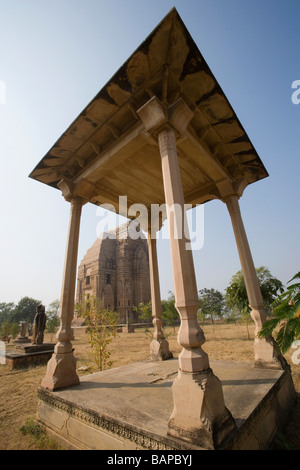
(157, 117)
(67, 188)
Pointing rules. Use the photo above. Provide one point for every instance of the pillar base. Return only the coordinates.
(21, 340)
(61, 372)
(266, 355)
(200, 416)
(159, 350)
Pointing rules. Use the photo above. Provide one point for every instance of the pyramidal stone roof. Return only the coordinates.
(106, 151)
(122, 232)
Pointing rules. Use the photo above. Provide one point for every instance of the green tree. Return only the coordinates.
(170, 314)
(52, 317)
(211, 304)
(144, 311)
(285, 317)
(101, 327)
(25, 310)
(53, 308)
(6, 311)
(9, 328)
(236, 297)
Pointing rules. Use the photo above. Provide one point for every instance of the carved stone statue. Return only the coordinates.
(39, 324)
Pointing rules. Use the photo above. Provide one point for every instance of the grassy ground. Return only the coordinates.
(18, 397)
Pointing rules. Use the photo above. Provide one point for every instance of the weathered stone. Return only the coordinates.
(39, 325)
(116, 270)
(22, 337)
(159, 350)
(200, 415)
(99, 414)
(61, 372)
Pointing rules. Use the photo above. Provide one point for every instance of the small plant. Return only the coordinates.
(32, 428)
(286, 317)
(38, 433)
(101, 327)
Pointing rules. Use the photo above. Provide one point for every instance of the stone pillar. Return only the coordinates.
(22, 337)
(266, 354)
(190, 335)
(159, 347)
(199, 415)
(61, 369)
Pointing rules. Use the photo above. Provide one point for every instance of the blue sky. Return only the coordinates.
(54, 58)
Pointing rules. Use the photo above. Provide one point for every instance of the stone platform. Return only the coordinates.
(25, 354)
(128, 408)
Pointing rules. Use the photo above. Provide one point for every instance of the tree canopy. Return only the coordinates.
(25, 310)
(170, 314)
(236, 294)
(6, 311)
(144, 311)
(52, 316)
(211, 303)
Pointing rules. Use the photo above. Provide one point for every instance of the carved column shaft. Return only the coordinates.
(251, 282)
(265, 349)
(190, 336)
(61, 369)
(155, 289)
(159, 348)
(64, 333)
(199, 415)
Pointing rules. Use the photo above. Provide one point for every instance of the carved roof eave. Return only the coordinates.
(168, 65)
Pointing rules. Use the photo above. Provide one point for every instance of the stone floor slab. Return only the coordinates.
(130, 406)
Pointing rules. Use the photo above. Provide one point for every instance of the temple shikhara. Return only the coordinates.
(161, 131)
(116, 270)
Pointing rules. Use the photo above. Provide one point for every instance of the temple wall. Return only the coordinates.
(116, 270)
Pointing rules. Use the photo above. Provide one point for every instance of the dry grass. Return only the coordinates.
(225, 342)
(18, 397)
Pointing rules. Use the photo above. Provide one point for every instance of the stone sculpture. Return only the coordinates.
(39, 325)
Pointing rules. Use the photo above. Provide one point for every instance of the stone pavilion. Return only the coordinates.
(161, 131)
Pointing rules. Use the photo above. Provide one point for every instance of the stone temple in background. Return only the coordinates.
(116, 270)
